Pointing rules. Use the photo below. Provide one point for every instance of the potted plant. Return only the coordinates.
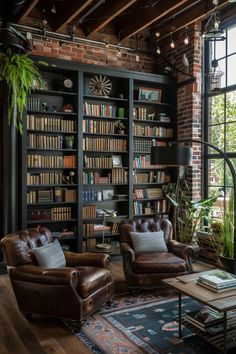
(227, 236)
(188, 215)
(19, 72)
(120, 127)
(69, 141)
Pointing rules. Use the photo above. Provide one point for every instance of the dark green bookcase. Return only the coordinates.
(68, 188)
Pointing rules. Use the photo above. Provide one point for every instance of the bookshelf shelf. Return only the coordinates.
(105, 144)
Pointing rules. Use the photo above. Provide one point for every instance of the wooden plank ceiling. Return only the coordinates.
(122, 18)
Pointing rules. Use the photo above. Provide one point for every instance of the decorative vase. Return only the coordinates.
(227, 263)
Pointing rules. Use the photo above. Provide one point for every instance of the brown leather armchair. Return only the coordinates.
(72, 292)
(145, 270)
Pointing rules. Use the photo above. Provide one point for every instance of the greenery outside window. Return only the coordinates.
(220, 116)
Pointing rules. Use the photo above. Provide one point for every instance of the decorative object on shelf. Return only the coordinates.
(68, 84)
(116, 161)
(68, 108)
(13, 68)
(120, 127)
(69, 141)
(54, 108)
(45, 106)
(71, 174)
(100, 85)
(182, 155)
(121, 112)
(149, 94)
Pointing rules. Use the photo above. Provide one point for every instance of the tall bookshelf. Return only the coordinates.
(105, 176)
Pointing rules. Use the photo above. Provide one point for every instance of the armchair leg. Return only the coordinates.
(109, 302)
(189, 263)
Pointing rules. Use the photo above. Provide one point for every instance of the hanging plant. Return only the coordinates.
(19, 72)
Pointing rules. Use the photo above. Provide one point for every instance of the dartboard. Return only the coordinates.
(100, 85)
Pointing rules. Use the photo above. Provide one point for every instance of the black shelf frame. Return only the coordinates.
(130, 80)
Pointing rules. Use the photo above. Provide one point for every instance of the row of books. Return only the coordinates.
(103, 110)
(157, 207)
(40, 160)
(98, 161)
(143, 114)
(217, 280)
(57, 214)
(45, 178)
(104, 144)
(148, 193)
(98, 126)
(145, 130)
(50, 123)
(152, 177)
(117, 176)
(44, 141)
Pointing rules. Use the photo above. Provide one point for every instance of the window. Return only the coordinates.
(220, 113)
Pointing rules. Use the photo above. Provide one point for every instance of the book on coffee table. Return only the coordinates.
(218, 279)
(213, 288)
(204, 318)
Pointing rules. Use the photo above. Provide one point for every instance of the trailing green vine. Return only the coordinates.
(19, 72)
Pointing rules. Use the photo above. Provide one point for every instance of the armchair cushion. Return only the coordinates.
(161, 262)
(148, 241)
(50, 255)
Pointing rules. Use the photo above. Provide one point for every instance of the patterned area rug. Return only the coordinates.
(143, 324)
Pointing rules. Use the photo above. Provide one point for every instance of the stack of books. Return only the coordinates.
(206, 319)
(217, 280)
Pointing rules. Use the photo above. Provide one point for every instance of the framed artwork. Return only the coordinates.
(107, 194)
(149, 94)
(116, 161)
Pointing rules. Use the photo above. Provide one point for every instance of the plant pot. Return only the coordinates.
(120, 131)
(227, 263)
(69, 144)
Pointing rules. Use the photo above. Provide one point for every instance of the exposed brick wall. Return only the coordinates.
(188, 97)
(89, 54)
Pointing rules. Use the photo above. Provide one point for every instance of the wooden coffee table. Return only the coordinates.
(224, 302)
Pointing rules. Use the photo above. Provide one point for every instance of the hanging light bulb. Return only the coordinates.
(45, 21)
(158, 51)
(172, 43)
(157, 34)
(53, 9)
(186, 38)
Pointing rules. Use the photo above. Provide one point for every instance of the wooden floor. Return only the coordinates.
(41, 335)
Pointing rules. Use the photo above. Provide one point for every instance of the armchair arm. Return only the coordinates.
(181, 250)
(127, 252)
(35, 274)
(101, 260)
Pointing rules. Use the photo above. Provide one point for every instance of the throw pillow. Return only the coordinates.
(50, 255)
(148, 241)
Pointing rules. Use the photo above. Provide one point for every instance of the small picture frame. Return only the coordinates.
(149, 94)
(116, 161)
(107, 194)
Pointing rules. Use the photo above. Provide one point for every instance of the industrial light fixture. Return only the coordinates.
(172, 43)
(186, 38)
(158, 50)
(53, 9)
(212, 29)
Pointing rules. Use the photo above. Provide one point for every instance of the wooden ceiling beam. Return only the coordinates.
(105, 16)
(197, 12)
(68, 13)
(146, 17)
(25, 10)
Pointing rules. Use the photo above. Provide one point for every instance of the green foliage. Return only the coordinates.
(227, 238)
(19, 72)
(188, 215)
(119, 125)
